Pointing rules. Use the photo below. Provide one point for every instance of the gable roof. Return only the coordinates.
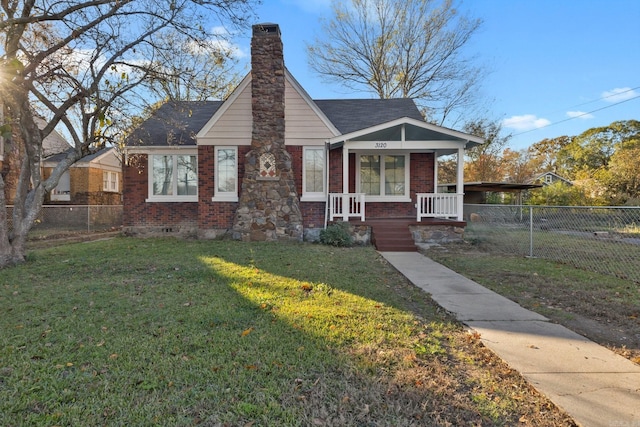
(350, 115)
(177, 123)
(554, 176)
(96, 157)
(174, 123)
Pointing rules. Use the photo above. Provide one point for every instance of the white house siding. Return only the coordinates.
(302, 124)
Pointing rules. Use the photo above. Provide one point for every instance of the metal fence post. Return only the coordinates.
(530, 231)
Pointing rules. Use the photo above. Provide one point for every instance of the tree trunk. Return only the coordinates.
(12, 251)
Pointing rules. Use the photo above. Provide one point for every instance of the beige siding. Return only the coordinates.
(234, 126)
(303, 126)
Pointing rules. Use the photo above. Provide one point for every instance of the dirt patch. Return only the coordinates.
(57, 239)
(604, 310)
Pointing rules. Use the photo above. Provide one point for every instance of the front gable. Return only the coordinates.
(407, 133)
(305, 124)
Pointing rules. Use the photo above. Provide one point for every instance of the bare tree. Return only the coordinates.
(401, 48)
(78, 64)
(194, 70)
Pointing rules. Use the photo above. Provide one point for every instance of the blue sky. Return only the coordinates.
(549, 60)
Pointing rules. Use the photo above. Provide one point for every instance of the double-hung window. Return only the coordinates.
(110, 181)
(313, 177)
(384, 177)
(173, 177)
(226, 174)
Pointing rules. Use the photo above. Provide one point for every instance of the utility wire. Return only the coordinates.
(583, 114)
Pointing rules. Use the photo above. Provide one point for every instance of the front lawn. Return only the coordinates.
(168, 332)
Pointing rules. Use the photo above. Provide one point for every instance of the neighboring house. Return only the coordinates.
(52, 144)
(549, 178)
(95, 179)
(270, 163)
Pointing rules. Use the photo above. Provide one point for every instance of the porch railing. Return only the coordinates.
(438, 205)
(346, 205)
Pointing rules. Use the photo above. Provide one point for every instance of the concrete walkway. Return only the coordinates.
(595, 386)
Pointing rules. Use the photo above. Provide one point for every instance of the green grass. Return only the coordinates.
(608, 255)
(602, 307)
(167, 332)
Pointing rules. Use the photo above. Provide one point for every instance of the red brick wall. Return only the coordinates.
(312, 212)
(420, 175)
(139, 213)
(215, 215)
(219, 215)
(335, 171)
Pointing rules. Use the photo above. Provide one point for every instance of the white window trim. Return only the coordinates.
(407, 185)
(227, 196)
(314, 196)
(58, 195)
(107, 189)
(173, 198)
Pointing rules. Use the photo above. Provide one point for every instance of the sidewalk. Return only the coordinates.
(595, 386)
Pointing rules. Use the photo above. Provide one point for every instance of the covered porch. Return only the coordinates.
(391, 171)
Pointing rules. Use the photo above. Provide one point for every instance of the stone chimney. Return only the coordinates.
(268, 208)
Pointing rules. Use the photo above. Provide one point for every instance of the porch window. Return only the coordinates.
(383, 177)
(313, 177)
(110, 181)
(173, 177)
(226, 174)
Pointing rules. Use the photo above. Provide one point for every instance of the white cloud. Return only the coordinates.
(579, 115)
(619, 94)
(525, 122)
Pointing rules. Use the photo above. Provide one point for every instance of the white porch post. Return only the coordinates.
(435, 172)
(345, 183)
(460, 182)
(345, 169)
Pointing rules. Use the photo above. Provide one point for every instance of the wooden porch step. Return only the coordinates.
(392, 236)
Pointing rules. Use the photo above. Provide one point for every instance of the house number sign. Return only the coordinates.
(383, 145)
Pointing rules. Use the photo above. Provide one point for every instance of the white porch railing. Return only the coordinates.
(346, 205)
(438, 205)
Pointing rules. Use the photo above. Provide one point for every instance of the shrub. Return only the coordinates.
(336, 235)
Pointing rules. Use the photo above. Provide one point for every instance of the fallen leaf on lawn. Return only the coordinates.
(523, 419)
(251, 367)
(113, 356)
(246, 332)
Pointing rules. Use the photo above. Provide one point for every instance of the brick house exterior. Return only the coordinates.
(264, 163)
(93, 180)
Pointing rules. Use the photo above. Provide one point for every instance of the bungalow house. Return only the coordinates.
(271, 163)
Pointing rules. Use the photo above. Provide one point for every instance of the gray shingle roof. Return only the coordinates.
(174, 123)
(177, 123)
(350, 115)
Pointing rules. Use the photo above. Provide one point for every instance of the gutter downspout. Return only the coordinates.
(326, 204)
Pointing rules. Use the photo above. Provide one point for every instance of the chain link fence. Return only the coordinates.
(61, 219)
(601, 239)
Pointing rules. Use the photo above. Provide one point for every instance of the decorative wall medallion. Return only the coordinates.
(268, 167)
